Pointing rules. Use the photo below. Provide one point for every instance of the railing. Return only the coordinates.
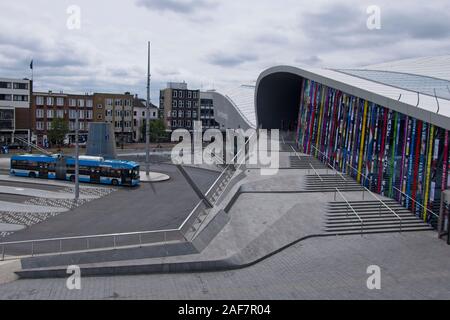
(33, 145)
(389, 208)
(349, 206)
(367, 179)
(417, 203)
(315, 171)
(115, 240)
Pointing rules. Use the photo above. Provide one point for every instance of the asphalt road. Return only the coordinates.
(155, 206)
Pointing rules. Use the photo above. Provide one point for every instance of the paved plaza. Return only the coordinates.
(413, 266)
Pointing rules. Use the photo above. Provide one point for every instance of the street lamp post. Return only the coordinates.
(147, 117)
(77, 154)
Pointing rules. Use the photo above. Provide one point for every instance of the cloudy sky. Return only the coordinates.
(207, 43)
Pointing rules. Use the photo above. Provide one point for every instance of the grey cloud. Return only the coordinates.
(177, 6)
(271, 38)
(230, 60)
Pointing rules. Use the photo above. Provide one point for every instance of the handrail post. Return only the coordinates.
(32, 248)
(140, 240)
(60, 246)
(87, 243)
(3, 253)
(114, 240)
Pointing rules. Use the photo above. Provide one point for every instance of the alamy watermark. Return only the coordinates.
(258, 148)
(73, 282)
(374, 20)
(374, 280)
(74, 19)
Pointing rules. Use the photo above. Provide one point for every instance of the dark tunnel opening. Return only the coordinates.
(278, 100)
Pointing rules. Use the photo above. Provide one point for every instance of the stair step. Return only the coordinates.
(391, 226)
(363, 202)
(367, 214)
(377, 218)
(367, 223)
(364, 210)
(355, 232)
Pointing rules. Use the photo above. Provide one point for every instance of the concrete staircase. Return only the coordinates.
(305, 162)
(341, 220)
(329, 183)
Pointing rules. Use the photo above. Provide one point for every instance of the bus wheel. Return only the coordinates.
(72, 178)
(115, 182)
(32, 175)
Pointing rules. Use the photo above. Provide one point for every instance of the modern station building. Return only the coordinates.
(386, 125)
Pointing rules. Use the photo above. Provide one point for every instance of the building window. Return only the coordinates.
(81, 114)
(49, 101)
(5, 97)
(20, 98)
(188, 123)
(154, 113)
(39, 125)
(174, 123)
(194, 114)
(109, 102)
(175, 94)
(81, 103)
(39, 113)
(180, 94)
(188, 113)
(174, 113)
(118, 102)
(194, 95)
(143, 113)
(72, 102)
(60, 101)
(99, 117)
(39, 100)
(72, 114)
(5, 85)
(20, 86)
(181, 123)
(49, 125)
(60, 114)
(181, 103)
(180, 114)
(89, 103)
(50, 114)
(99, 106)
(174, 103)
(190, 94)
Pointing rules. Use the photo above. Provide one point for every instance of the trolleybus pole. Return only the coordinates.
(77, 154)
(147, 117)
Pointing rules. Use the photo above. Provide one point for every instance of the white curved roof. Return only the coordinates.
(243, 100)
(395, 87)
(436, 67)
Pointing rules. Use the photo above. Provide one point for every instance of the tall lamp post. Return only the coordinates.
(147, 117)
(77, 155)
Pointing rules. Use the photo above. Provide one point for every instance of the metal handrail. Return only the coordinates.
(389, 208)
(351, 207)
(434, 214)
(312, 167)
(228, 166)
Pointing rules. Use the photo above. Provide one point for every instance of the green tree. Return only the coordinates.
(157, 130)
(58, 131)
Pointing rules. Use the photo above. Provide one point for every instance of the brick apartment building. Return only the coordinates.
(15, 121)
(116, 109)
(180, 106)
(140, 117)
(46, 106)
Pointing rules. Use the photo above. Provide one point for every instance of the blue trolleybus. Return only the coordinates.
(91, 169)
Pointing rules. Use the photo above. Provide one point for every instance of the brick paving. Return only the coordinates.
(413, 266)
